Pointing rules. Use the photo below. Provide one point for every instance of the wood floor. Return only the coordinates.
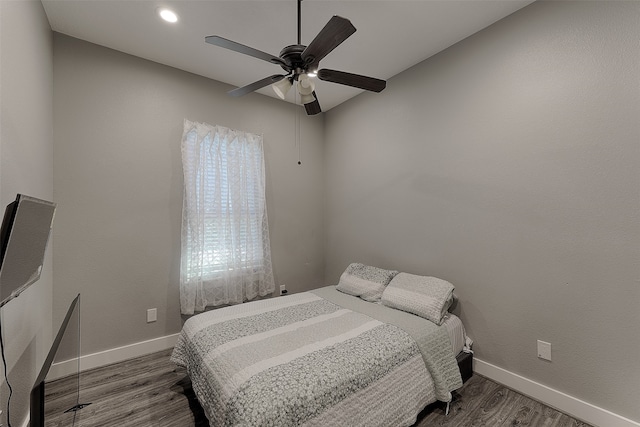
(151, 391)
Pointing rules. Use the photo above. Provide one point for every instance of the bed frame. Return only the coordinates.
(465, 363)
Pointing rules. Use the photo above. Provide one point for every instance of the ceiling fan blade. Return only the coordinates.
(355, 80)
(336, 31)
(256, 85)
(240, 48)
(313, 108)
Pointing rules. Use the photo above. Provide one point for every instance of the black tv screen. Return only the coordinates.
(24, 236)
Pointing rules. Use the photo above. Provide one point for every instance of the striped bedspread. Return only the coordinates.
(315, 358)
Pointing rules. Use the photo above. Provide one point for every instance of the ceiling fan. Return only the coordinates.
(301, 64)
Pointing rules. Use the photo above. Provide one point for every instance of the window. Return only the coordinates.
(225, 237)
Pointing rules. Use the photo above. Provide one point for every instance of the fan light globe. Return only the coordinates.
(305, 89)
(305, 86)
(282, 87)
(306, 99)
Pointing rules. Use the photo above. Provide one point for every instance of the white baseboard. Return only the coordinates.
(556, 399)
(114, 355)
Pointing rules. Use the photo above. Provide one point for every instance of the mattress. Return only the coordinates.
(456, 332)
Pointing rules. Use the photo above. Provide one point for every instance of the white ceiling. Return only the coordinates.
(391, 35)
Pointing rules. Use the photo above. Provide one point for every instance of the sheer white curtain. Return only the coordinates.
(226, 258)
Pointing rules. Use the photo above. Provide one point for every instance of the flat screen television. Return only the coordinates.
(25, 232)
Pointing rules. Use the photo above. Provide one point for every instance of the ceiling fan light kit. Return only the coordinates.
(300, 62)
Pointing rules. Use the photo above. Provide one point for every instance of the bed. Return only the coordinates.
(317, 358)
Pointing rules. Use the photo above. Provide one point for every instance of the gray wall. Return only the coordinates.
(118, 182)
(26, 166)
(509, 165)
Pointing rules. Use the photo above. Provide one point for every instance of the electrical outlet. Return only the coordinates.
(152, 315)
(544, 350)
(283, 290)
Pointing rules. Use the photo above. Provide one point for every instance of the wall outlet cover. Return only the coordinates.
(152, 315)
(544, 350)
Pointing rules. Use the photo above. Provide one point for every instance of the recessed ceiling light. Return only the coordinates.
(168, 15)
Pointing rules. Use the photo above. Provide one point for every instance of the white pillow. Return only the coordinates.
(425, 296)
(365, 281)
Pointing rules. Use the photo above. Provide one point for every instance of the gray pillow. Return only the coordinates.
(365, 281)
(425, 296)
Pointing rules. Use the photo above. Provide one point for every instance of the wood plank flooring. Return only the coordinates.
(482, 402)
(152, 391)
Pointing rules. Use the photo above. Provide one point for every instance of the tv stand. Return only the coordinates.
(37, 410)
(77, 407)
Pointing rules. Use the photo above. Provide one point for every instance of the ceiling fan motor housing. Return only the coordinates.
(292, 56)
